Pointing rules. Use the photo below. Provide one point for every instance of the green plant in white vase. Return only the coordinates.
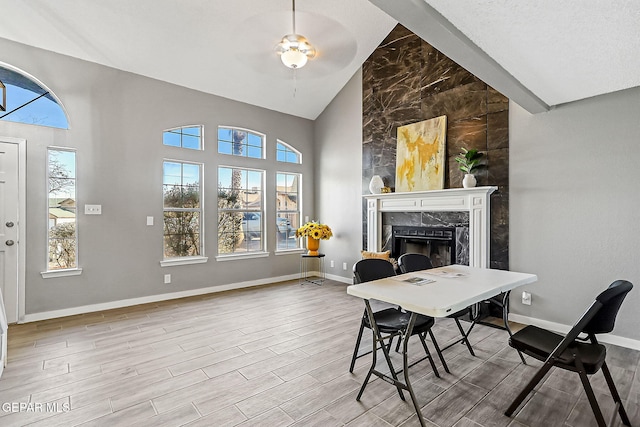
(469, 162)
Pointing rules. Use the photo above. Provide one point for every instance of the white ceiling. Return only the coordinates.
(548, 51)
(223, 47)
(562, 51)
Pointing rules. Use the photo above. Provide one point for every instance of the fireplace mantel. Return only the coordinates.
(473, 200)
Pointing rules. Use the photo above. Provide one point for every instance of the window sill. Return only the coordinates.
(183, 261)
(232, 257)
(61, 273)
(290, 251)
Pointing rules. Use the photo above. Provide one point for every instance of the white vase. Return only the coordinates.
(376, 184)
(469, 181)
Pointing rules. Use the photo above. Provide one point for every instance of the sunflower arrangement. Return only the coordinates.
(315, 230)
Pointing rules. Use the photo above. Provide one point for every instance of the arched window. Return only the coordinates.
(29, 101)
(184, 136)
(240, 142)
(286, 153)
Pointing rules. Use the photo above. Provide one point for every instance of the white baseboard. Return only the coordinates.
(559, 327)
(34, 317)
(348, 281)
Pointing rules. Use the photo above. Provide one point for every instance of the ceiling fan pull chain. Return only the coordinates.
(294, 83)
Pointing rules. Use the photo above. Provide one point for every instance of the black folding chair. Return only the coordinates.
(410, 262)
(391, 321)
(571, 352)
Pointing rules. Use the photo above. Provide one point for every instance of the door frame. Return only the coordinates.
(22, 223)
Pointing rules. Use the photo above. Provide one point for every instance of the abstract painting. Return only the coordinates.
(420, 156)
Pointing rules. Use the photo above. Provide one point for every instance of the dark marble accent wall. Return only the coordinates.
(405, 81)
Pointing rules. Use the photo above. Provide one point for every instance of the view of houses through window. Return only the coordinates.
(242, 218)
(241, 226)
(62, 232)
(288, 209)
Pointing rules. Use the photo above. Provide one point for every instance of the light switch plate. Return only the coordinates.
(93, 209)
(149, 220)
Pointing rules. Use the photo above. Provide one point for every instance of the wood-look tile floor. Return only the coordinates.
(276, 355)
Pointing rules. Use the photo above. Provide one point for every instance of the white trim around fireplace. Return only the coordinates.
(473, 200)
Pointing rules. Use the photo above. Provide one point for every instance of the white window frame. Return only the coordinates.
(298, 246)
(200, 143)
(288, 148)
(74, 271)
(195, 259)
(262, 252)
(248, 131)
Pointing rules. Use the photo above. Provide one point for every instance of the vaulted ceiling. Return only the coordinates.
(540, 54)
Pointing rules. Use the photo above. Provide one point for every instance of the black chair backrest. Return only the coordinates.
(611, 299)
(370, 269)
(414, 262)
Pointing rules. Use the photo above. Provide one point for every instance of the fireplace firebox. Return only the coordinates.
(438, 243)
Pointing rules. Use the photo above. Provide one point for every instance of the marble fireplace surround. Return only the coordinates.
(475, 201)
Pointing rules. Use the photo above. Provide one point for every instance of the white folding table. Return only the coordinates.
(437, 292)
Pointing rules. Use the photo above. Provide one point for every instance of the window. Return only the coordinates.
(240, 142)
(288, 210)
(185, 137)
(286, 153)
(28, 101)
(182, 191)
(61, 184)
(241, 226)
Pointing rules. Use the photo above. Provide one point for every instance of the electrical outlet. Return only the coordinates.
(167, 279)
(344, 265)
(332, 263)
(149, 220)
(526, 298)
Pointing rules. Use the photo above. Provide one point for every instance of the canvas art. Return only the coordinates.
(420, 157)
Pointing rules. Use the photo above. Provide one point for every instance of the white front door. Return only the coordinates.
(9, 244)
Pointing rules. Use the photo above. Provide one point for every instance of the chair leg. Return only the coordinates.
(505, 319)
(426, 350)
(355, 350)
(544, 369)
(439, 352)
(377, 338)
(592, 399)
(615, 395)
(465, 336)
(385, 352)
(373, 365)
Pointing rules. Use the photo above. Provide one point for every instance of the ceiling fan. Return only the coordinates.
(264, 49)
(294, 49)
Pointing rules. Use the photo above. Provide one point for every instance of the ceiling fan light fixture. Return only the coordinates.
(295, 51)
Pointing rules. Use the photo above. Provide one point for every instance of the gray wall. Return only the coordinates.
(575, 205)
(338, 175)
(116, 124)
